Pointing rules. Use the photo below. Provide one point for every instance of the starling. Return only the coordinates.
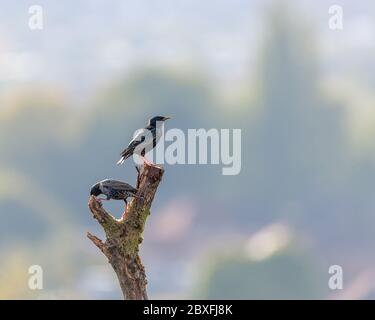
(114, 189)
(154, 128)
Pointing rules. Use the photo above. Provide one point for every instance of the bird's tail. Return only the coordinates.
(121, 161)
(124, 155)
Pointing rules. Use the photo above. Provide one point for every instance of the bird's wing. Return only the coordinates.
(141, 135)
(118, 185)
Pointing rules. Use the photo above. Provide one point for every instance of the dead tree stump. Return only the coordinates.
(124, 235)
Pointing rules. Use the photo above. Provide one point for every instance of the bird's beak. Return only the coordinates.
(167, 118)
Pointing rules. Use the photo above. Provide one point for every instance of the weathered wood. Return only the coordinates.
(124, 235)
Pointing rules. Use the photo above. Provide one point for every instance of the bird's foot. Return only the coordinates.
(149, 163)
(159, 166)
(98, 200)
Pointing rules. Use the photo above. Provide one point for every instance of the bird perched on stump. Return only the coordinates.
(148, 137)
(113, 189)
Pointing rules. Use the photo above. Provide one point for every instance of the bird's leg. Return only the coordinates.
(146, 161)
(151, 163)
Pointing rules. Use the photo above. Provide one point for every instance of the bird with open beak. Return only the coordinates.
(148, 137)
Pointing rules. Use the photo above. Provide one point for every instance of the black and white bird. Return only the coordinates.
(113, 189)
(148, 137)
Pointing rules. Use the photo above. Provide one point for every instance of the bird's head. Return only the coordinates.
(158, 119)
(95, 190)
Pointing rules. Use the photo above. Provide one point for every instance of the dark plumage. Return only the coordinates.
(154, 128)
(113, 189)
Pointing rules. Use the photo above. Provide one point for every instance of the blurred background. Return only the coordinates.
(73, 93)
